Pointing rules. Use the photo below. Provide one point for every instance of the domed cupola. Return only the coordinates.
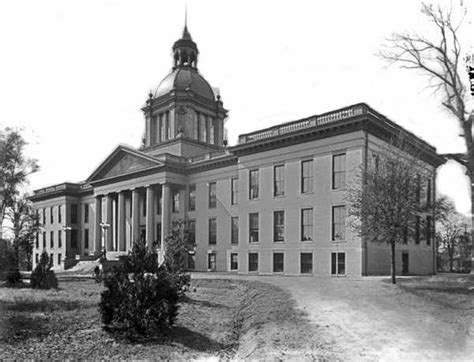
(185, 51)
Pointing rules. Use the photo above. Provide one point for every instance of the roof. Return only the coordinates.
(184, 79)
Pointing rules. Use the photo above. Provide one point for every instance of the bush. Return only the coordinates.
(140, 297)
(9, 270)
(43, 277)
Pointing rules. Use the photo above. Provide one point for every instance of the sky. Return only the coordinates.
(74, 74)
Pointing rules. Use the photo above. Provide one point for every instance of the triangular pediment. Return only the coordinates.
(122, 161)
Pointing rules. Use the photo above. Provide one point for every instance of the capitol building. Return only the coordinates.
(274, 203)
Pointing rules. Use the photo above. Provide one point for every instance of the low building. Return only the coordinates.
(272, 204)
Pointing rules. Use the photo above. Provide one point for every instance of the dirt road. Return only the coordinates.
(369, 319)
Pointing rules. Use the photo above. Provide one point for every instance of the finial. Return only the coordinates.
(186, 15)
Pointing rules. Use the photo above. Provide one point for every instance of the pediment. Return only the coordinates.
(123, 161)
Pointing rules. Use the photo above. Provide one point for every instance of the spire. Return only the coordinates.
(186, 34)
(185, 51)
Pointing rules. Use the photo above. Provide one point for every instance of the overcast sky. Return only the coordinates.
(75, 74)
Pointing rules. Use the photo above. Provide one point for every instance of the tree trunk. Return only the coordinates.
(392, 256)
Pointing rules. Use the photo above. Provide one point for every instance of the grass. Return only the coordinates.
(217, 318)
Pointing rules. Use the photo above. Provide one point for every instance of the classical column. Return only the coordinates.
(98, 220)
(108, 220)
(150, 215)
(121, 221)
(165, 212)
(135, 215)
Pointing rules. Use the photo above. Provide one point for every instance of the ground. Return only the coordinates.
(274, 318)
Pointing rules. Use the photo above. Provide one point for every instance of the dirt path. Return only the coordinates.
(369, 319)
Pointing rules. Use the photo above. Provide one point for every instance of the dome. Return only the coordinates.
(185, 78)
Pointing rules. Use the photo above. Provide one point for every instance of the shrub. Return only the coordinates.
(140, 297)
(43, 277)
(9, 265)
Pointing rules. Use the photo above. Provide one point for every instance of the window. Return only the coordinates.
(211, 261)
(253, 227)
(59, 259)
(51, 215)
(192, 197)
(253, 262)
(51, 258)
(44, 239)
(234, 187)
(86, 213)
(212, 195)
(74, 239)
(338, 222)
(59, 214)
(306, 263)
(37, 240)
(36, 258)
(279, 226)
(278, 266)
(234, 232)
(338, 263)
(306, 176)
(191, 231)
(43, 219)
(73, 214)
(60, 239)
(279, 180)
(338, 171)
(86, 238)
(143, 203)
(428, 230)
(51, 239)
(253, 184)
(175, 201)
(307, 224)
(212, 231)
(428, 192)
(212, 135)
(202, 136)
(234, 261)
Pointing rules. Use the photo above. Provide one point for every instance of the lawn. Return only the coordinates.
(218, 318)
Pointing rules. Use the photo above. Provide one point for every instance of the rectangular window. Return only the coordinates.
(74, 239)
(428, 230)
(36, 258)
(253, 227)
(234, 261)
(192, 231)
(51, 239)
(428, 192)
(192, 197)
(234, 186)
(338, 263)
(253, 184)
(51, 215)
(307, 224)
(73, 214)
(51, 258)
(338, 223)
(212, 135)
(43, 219)
(44, 239)
(60, 216)
(59, 258)
(279, 180)
(339, 171)
(306, 176)
(175, 200)
(37, 240)
(234, 233)
(60, 239)
(212, 195)
(86, 213)
(278, 263)
(211, 261)
(86, 238)
(253, 262)
(306, 263)
(278, 226)
(417, 229)
(212, 231)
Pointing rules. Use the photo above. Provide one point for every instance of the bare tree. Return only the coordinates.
(385, 204)
(441, 60)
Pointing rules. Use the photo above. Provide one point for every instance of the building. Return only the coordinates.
(273, 203)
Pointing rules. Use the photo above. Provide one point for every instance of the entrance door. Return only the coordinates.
(404, 263)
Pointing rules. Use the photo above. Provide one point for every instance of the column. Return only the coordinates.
(150, 216)
(108, 220)
(135, 216)
(121, 221)
(165, 212)
(98, 220)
